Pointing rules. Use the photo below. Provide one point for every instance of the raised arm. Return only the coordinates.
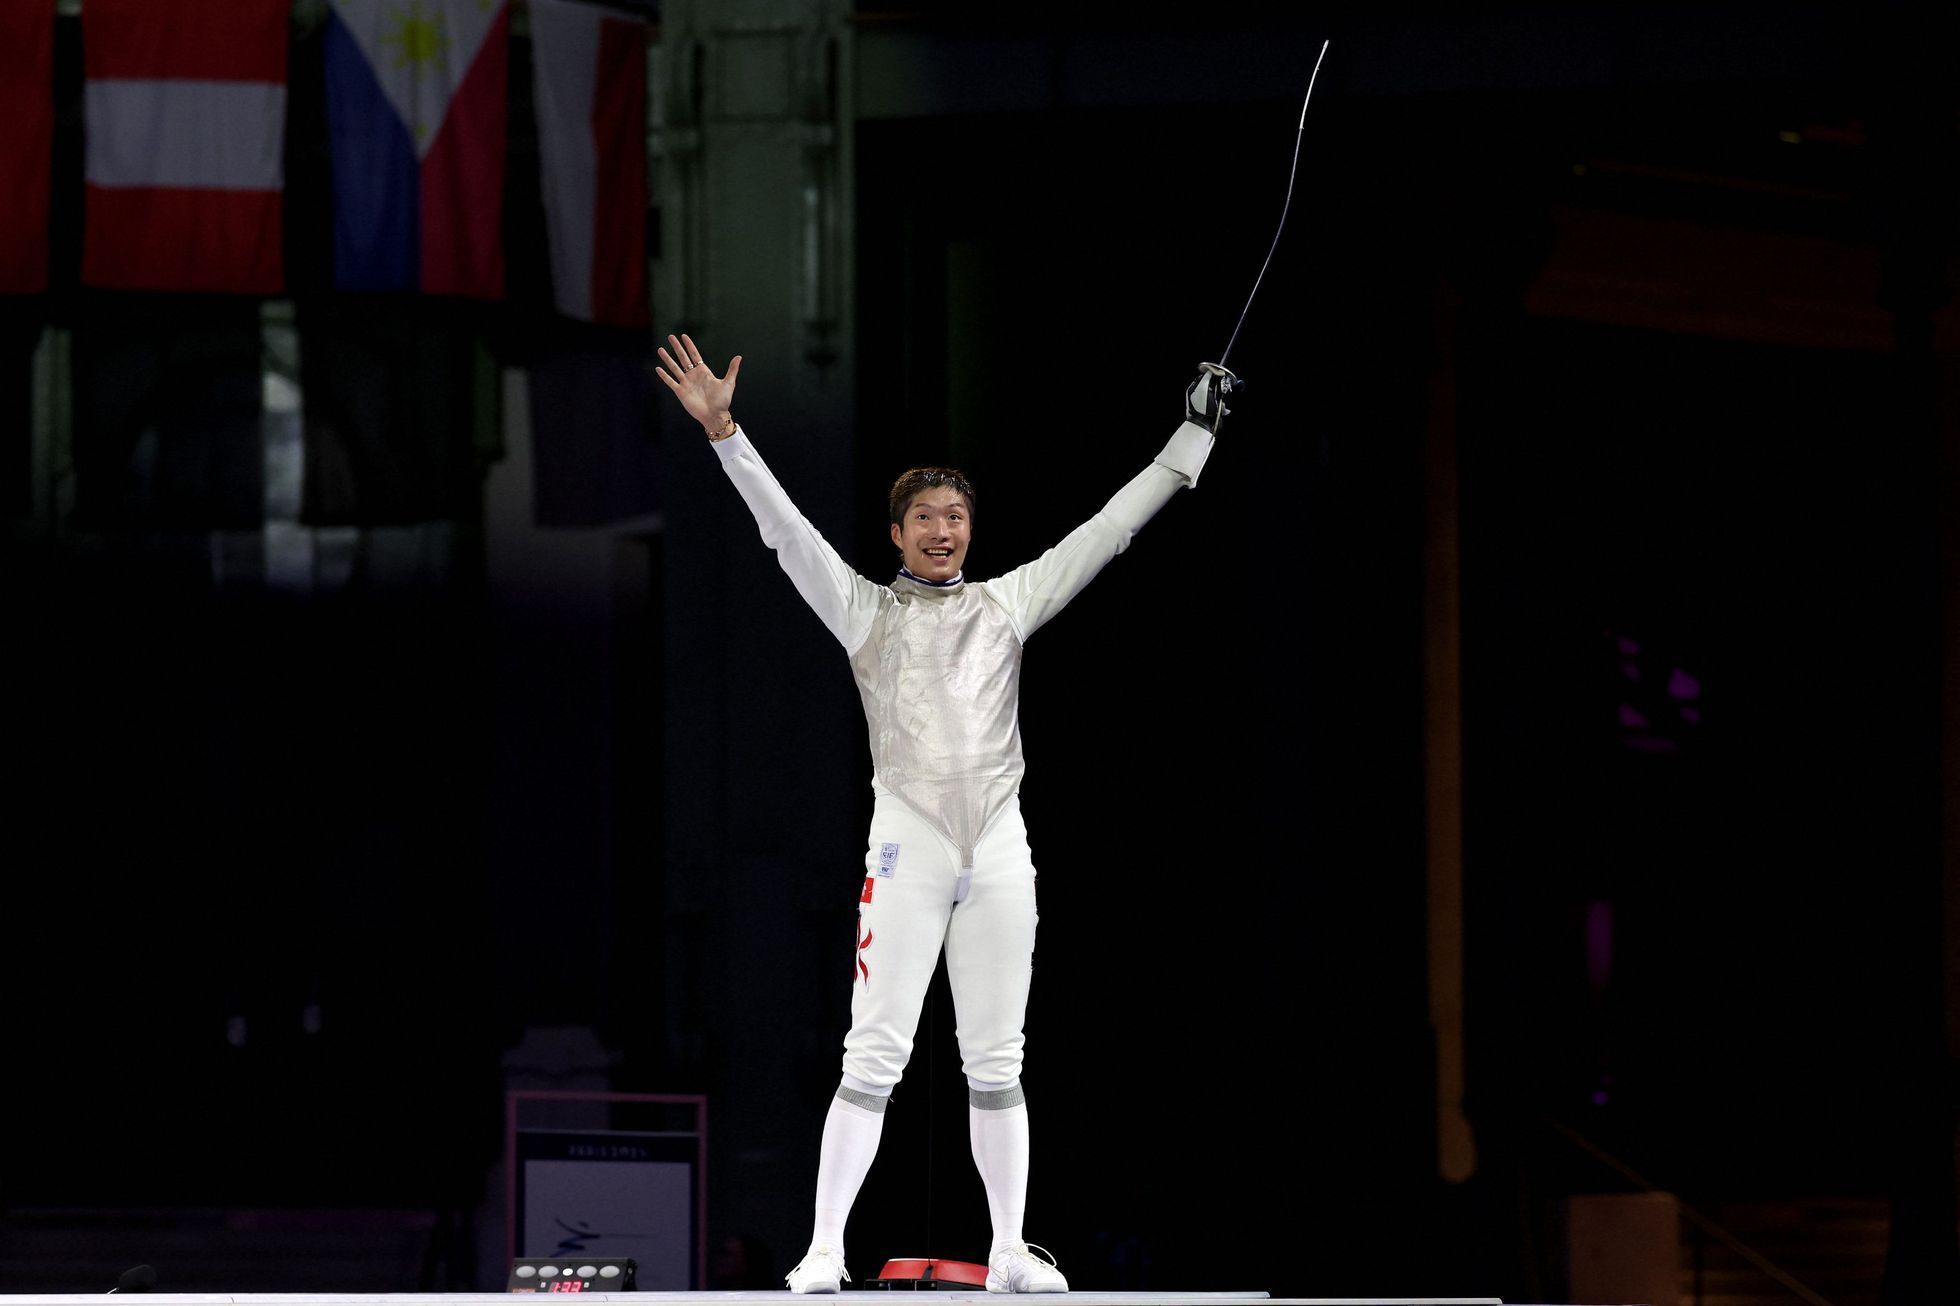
(1033, 593)
(844, 601)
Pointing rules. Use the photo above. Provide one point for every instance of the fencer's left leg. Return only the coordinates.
(989, 965)
(997, 1123)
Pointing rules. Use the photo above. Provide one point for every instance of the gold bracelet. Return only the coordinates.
(716, 437)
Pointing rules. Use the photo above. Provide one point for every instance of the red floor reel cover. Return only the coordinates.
(908, 1272)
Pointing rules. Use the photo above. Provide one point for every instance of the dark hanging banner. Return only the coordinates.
(168, 396)
(391, 397)
(593, 455)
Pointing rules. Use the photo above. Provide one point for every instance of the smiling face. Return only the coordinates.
(933, 532)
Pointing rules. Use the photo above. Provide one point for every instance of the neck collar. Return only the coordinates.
(935, 586)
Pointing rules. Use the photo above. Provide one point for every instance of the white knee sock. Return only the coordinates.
(997, 1123)
(850, 1140)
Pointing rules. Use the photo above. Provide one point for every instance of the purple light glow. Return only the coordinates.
(1631, 719)
(1630, 670)
(1599, 943)
(1683, 686)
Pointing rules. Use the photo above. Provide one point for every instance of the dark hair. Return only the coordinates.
(920, 479)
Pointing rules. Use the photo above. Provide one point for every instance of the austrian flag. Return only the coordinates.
(184, 110)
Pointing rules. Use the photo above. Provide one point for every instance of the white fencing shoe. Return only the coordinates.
(1016, 1268)
(820, 1270)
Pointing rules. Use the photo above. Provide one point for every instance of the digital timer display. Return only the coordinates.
(561, 1274)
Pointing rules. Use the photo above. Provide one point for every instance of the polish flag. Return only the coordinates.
(591, 91)
(415, 113)
(184, 110)
(27, 146)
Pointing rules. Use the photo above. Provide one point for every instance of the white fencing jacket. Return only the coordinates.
(939, 666)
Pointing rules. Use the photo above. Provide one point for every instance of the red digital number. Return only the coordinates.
(567, 1285)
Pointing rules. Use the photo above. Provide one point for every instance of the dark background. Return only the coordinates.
(1610, 245)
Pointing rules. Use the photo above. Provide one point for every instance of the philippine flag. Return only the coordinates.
(415, 112)
(27, 146)
(591, 91)
(184, 108)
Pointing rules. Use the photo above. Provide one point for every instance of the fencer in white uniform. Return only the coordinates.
(937, 659)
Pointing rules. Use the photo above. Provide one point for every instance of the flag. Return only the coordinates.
(590, 85)
(27, 146)
(415, 118)
(184, 110)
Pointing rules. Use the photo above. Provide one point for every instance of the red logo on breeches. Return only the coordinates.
(864, 941)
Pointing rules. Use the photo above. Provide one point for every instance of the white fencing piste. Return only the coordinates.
(732, 1299)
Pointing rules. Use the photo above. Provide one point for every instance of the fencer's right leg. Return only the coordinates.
(911, 873)
(850, 1141)
(903, 910)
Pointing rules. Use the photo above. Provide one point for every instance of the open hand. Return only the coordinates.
(707, 397)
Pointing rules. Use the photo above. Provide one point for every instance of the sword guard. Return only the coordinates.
(1206, 399)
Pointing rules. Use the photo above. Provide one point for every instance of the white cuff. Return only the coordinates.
(728, 449)
(1186, 453)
